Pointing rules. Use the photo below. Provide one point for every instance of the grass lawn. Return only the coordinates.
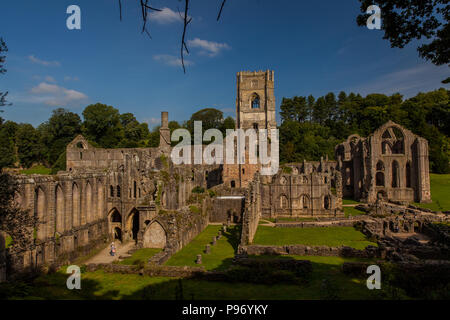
(140, 256)
(221, 254)
(349, 201)
(329, 236)
(101, 285)
(440, 193)
(352, 211)
(37, 170)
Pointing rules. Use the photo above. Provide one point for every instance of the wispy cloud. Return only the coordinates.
(166, 16)
(54, 95)
(172, 61)
(209, 48)
(45, 63)
(50, 79)
(69, 78)
(152, 121)
(420, 78)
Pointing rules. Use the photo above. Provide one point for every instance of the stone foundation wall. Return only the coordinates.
(302, 250)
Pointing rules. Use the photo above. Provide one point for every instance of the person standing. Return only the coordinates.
(113, 249)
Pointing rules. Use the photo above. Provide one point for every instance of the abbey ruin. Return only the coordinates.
(140, 195)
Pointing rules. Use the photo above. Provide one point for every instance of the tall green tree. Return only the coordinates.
(29, 145)
(102, 124)
(61, 128)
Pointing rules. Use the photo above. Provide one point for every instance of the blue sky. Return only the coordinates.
(314, 47)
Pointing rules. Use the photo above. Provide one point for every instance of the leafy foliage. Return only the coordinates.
(329, 121)
(404, 21)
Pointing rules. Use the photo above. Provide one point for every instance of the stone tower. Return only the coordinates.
(255, 101)
(164, 132)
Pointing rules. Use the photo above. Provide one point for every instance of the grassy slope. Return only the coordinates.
(440, 193)
(351, 211)
(330, 236)
(220, 256)
(141, 255)
(101, 285)
(37, 170)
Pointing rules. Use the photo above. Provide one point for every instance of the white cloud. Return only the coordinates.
(166, 16)
(209, 48)
(54, 95)
(33, 59)
(172, 61)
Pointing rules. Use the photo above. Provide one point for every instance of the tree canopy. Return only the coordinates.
(404, 21)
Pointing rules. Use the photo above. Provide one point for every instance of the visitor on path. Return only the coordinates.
(113, 249)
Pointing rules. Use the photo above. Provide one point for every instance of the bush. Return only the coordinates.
(198, 190)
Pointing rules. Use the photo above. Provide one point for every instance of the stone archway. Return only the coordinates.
(133, 224)
(155, 236)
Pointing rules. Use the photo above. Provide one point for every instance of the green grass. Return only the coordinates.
(8, 242)
(329, 236)
(140, 256)
(221, 254)
(107, 286)
(349, 201)
(440, 193)
(351, 211)
(37, 170)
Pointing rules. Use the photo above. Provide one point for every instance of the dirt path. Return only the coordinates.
(104, 256)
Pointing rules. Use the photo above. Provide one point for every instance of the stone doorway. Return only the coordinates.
(118, 234)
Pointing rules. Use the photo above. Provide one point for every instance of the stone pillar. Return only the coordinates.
(208, 249)
(164, 132)
(199, 259)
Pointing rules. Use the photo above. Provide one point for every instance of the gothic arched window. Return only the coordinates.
(255, 102)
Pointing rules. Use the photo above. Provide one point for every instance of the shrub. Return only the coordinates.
(198, 190)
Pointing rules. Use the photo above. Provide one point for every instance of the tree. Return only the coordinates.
(3, 49)
(228, 123)
(28, 144)
(211, 119)
(7, 154)
(102, 124)
(13, 220)
(404, 21)
(62, 127)
(134, 132)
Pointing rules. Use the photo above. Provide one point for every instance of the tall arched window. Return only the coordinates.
(395, 175)
(283, 202)
(75, 205)
(89, 199)
(40, 208)
(111, 191)
(59, 209)
(408, 175)
(255, 101)
(118, 191)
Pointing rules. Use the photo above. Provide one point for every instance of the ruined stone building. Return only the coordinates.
(139, 195)
(391, 164)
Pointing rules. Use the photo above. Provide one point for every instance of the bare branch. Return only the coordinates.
(221, 8)
(120, 9)
(187, 20)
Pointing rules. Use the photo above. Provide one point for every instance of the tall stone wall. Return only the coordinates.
(252, 211)
(390, 164)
